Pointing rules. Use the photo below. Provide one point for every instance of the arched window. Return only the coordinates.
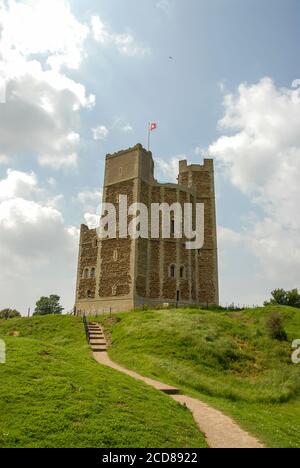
(182, 272)
(95, 243)
(172, 271)
(93, 273)
(89, 294)
(115, 255)
(114, 290)
(85, 273)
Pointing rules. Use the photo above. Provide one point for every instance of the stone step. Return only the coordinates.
(99, 349)
(98, 343)
(170, 391)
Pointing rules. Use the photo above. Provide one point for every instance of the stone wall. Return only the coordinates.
(154, 270)
(88, 259)
(142, 274)
(170, 258)
(115, 279)
(201, 178)
(134, 272)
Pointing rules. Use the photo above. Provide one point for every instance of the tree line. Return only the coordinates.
(51, 305)
(44, 306)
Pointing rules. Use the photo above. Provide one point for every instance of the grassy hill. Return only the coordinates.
(53, 394)
(226, 359)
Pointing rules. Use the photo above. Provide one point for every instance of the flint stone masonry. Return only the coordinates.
(130, 273)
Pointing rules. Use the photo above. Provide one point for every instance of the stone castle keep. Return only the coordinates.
(123, 274)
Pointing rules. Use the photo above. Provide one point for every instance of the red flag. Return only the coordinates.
(153, 126)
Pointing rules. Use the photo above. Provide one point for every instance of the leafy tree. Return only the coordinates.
(293, 298)
(9, 314)
(48, 306)
(287, 298)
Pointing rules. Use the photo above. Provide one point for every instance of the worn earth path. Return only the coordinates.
(220, 430)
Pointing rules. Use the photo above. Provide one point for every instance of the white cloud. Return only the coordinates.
(99, 30)
(296, 83)
(125, 43)
(168, 169)
(92, 220)
(89, 196)
(43, 27)
(261, 157)
(127, 128)
(37, 249)
(55, 201)
(100, 133)
(91, 204)
(239, 270)
(56, 162)
(17, 184)
(42, 103)
(122, 125)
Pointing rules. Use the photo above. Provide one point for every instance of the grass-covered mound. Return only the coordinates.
(53, 394)
(226, 358)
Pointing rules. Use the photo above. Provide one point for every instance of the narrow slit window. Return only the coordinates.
(86, 273)
(172, 227)
(93, 273)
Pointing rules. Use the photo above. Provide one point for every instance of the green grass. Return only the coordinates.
(53, 394)
(226, 359)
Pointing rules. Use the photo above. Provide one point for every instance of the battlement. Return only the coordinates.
(128, 164)
(207, 166)
(137, 147)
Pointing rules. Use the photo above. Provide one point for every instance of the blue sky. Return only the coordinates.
(233, 62)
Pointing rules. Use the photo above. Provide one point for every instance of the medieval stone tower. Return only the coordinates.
(122, 274)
